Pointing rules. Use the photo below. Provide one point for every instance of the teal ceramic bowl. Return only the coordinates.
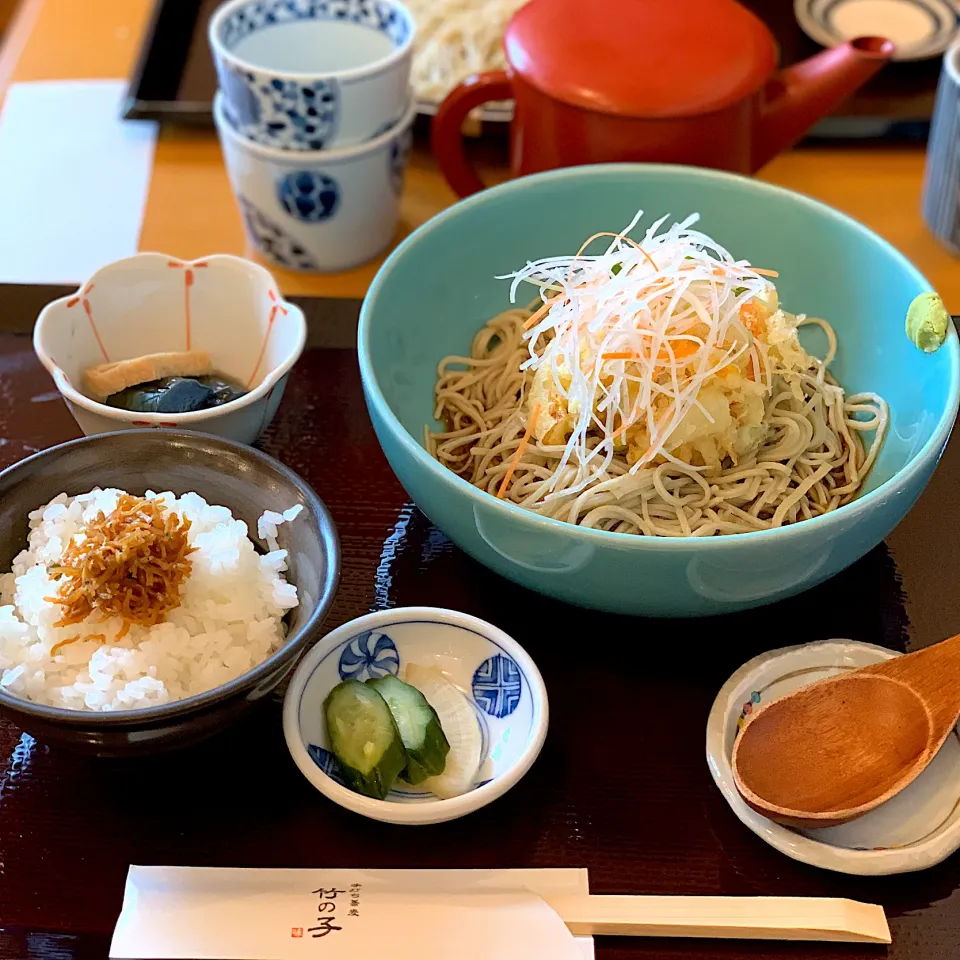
(438, 288)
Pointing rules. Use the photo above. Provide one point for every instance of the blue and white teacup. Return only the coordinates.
(312, 74)
(941, 182)
(320, 211)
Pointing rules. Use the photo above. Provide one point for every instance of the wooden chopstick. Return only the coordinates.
(749, 918)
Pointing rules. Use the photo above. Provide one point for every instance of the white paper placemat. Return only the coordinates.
(73, 180)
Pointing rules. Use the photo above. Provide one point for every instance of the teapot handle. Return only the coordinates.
(446, 133)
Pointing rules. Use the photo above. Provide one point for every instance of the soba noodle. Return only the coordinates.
(811, 457)
(456, 39)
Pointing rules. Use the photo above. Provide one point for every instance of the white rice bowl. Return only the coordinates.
(230, 618)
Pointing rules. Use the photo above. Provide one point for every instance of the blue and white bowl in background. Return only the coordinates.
(322, 211)
(307, 75)
(495, 674)
(941, 180)
(918, 29)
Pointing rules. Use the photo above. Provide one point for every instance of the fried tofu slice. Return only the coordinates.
(107, 379)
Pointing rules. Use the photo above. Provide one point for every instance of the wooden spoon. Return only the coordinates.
(835, 750)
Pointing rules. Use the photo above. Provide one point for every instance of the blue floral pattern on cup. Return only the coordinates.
(309, 196)
(303, 114)
(497, 685)
(242, 103)
(275, 110)
(281, 113)
(272, 242)
(370, 654)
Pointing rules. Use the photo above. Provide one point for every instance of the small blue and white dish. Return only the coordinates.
(327, 210)
(494, 673)
(312, 74)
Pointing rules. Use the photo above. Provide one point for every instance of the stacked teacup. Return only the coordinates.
(315, 119)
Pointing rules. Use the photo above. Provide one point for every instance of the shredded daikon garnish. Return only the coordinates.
(630, 336)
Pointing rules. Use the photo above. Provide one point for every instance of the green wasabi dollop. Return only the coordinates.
(927, 322)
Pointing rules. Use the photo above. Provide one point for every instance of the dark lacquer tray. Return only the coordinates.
(622, 786)
(175, 78)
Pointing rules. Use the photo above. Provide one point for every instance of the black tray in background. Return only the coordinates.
(175, 79)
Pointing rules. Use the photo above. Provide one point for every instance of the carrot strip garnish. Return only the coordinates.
(648, 258)
(603, 233)
(765, 273)
(681, 350)
(508, 476)
(536, 317)
(633, 243)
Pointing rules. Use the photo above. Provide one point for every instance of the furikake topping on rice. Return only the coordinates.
(129, 563)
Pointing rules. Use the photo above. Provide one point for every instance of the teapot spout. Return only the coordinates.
(796, 98)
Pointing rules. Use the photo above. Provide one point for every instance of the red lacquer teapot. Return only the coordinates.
(675, 81)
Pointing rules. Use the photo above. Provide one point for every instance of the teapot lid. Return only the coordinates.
(641, 58)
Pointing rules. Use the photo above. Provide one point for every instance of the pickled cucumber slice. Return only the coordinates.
(419, 726)
(460, 726)
(364, 738)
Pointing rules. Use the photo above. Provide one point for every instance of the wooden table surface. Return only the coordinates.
(191, 213)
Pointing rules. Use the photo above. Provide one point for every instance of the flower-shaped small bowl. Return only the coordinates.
(153, 303)
(495, 674)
